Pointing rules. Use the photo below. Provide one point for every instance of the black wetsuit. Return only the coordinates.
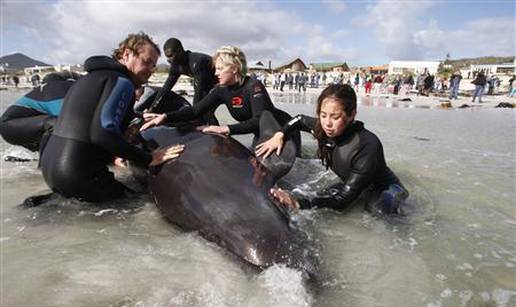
(357, 158)
(89, 134)
(245, 103)
(32, 117)
(200, 67)
(172, 102)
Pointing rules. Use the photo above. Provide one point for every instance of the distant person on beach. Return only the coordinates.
(302, 82)
(16, 81)
(408, 84)
(198, 66)
(245, 98)
(90, 129)
(454, 85)
(368, 84)
(32, 117)
(397, 85)
(480, 84)
(35, 80)
(346, 147)
(512, 86)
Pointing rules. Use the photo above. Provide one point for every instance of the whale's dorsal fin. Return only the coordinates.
(280, 165)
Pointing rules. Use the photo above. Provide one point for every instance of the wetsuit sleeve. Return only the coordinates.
(258, 102)
(209, 102)
(106, 129)
(299, 123)
(172, 78)
(339, 196)
(204, 83)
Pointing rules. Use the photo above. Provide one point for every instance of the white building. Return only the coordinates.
(417, 67)
(43, 70)
(494, 69)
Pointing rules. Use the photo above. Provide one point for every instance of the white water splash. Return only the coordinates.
(285, 287)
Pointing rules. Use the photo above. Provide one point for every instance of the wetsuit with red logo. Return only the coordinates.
(245, 102)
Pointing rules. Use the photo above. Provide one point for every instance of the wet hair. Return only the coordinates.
(231, 55)
(173, 47)
(134, 42)
(346, 96)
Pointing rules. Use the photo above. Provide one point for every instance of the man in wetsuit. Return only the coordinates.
(199, 66)
(95, 113)
(32, 117)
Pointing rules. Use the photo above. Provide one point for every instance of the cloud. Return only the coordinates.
(321, 46)
(335, 7)
(71, 31)
(406, 32)
(394, 25)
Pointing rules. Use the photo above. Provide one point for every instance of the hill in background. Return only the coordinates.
(465, 63)
(19, 61)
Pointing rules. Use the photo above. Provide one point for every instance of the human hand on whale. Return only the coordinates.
(162, 155)
(284, 198)
(210, 129)
(152, 119)
(275, 143)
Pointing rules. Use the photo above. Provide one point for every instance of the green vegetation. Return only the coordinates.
(465, 63)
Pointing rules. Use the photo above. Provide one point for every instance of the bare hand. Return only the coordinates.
(285, 198)
(200, 128)
(275, 143)
(160, 156)
(152, 119)
(216, 130)
(120, 162)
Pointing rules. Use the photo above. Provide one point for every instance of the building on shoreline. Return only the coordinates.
(295, 65)
(494, 69)
(414, 67)
(335, 67)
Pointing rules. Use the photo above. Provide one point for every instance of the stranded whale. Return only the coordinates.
(220, 189)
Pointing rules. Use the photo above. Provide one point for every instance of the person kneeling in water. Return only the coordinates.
(95, 113)
(354, 153)
(32, 117)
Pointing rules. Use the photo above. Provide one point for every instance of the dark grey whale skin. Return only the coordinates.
(218, 188)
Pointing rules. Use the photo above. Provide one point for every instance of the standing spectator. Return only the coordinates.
(368, 84)
(512, 86)
(302, 81)
(290, 81)
(454, 85)
(35, 80)
(283, 80)
(480, 83)
(408, 83)
(16, 81)
(397, 84)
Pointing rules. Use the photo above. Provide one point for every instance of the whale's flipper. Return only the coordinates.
(280, 165)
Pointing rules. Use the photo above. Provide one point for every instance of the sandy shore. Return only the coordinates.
(437, 100)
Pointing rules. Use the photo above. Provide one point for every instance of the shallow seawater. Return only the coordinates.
(455, 245)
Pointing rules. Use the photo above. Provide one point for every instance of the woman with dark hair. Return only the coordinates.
(354, 153)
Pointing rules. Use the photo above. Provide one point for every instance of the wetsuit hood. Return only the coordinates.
(101, 62)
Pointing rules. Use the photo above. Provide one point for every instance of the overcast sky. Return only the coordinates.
(356, 32)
